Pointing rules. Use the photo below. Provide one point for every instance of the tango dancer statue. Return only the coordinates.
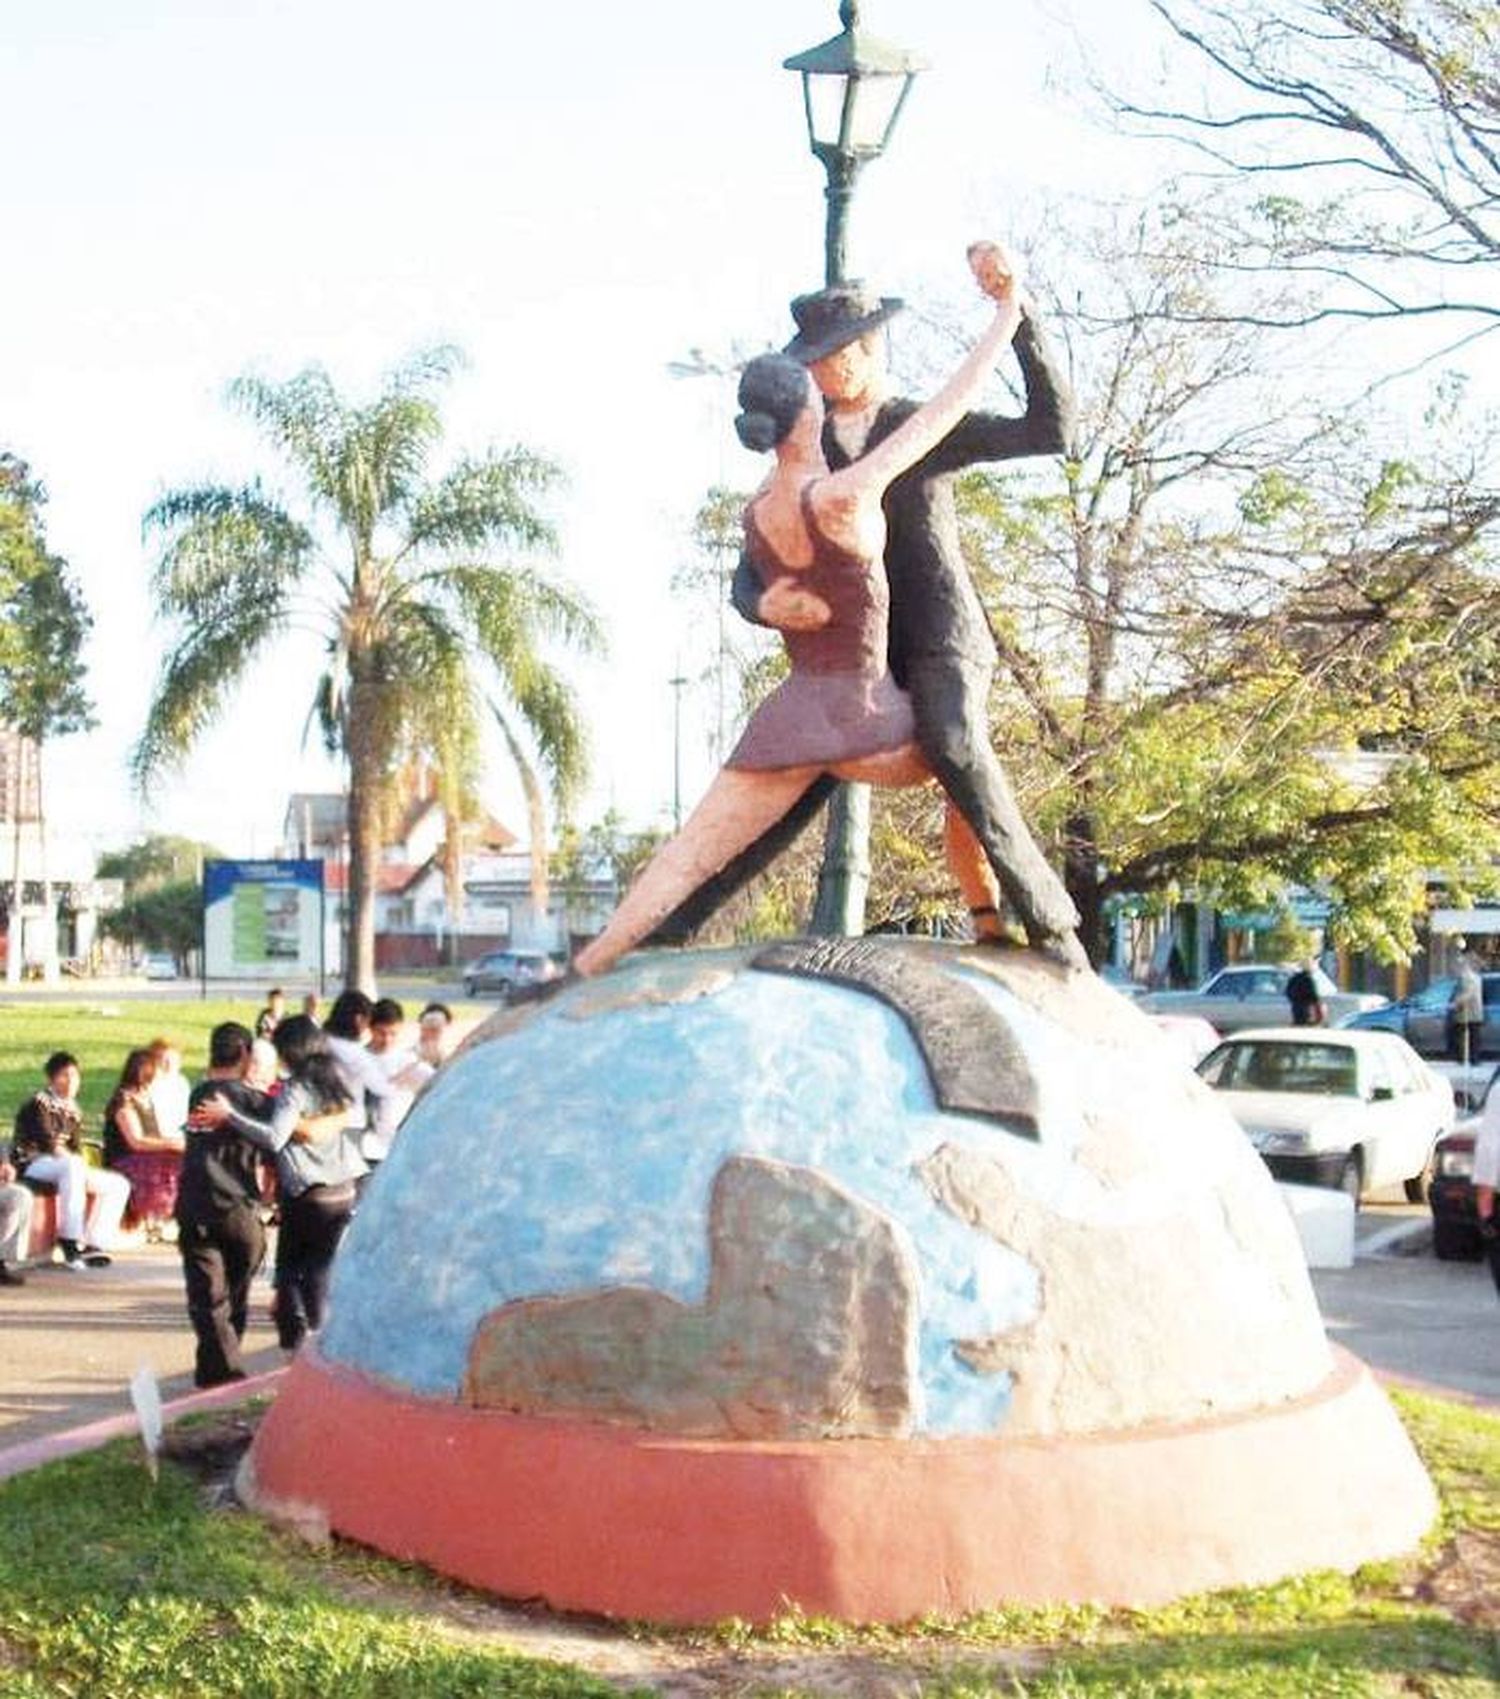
(942, 651)
(817, 537)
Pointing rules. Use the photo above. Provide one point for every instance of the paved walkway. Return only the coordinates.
(69, 1343)
(1415, 1319)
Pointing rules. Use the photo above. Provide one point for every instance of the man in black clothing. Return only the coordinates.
(942, 650)
(1305, 998)
(219, 1233)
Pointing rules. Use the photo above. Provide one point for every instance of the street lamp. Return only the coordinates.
(677, 684)
(853, 88)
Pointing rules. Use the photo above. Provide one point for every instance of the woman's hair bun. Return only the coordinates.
(758, 431)
(773, 393)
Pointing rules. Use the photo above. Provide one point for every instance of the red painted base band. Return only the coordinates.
(613, 1520)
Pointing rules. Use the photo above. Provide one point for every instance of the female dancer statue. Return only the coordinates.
(817, 538)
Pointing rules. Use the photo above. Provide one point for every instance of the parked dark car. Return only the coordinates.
(1455, 1225)
(505, 970)
(1424, 1018)
(1455, 1221)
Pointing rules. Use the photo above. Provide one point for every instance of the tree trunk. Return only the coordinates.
(49, 909)
(1081, 876)
(15, 931)
(363, 820)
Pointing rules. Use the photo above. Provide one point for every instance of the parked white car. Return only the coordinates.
(1254, 994)
(1356, 1110)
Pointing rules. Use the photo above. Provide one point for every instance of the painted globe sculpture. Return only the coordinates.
(870, 1277)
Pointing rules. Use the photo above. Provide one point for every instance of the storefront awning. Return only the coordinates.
(1475, 920)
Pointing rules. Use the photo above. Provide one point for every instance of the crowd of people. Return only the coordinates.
(285, 1126)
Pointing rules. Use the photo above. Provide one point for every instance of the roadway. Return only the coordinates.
(133, 989)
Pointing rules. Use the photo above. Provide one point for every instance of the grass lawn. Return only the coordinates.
(101, 1033)
(111, 1586)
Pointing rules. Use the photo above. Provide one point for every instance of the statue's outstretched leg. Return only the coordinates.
(737, 809)
(698, 909)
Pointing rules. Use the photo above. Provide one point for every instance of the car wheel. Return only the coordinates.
(1351, 1180)
(470, 989)
(504, 989)
(1454, 1241)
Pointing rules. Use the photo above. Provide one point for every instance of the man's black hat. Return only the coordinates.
(829, 318)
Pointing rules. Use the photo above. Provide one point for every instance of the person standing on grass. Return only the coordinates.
(270, 1017)
(48, 1149)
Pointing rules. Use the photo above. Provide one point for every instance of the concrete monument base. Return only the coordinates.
(592, 1516)
(867, 1276)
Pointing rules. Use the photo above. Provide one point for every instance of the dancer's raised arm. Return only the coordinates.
(874, 471)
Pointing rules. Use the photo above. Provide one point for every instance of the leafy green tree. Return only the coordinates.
(160, 858)
(163, 878)
(44, 623)
(717, 533)
(166, 917)
(427, 594)
(606, 845)
(1241, 650)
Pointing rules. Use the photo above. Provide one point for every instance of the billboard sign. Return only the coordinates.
(262, 919)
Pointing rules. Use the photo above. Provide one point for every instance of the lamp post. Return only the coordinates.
(853, 89)
(677, 683)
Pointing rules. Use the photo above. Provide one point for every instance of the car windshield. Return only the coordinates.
(1247, 982)
(1330, 1070)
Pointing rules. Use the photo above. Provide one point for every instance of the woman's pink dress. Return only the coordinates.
(839, 700)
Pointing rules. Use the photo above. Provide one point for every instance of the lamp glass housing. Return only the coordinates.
(852, 114)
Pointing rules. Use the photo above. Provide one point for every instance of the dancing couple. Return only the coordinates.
(817, 543)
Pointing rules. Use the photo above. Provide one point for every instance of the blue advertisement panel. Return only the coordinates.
(262, 919)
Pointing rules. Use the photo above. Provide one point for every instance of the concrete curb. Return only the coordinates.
(34, 1453)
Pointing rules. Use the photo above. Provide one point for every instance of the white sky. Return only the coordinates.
(575, 194)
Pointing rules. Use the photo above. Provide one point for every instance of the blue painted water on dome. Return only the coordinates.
(575, 1154)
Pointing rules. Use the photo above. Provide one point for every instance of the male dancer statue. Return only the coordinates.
(942, 650)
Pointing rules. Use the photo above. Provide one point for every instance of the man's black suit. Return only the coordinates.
(941, 647)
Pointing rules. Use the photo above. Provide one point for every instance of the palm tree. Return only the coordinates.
(423, 625)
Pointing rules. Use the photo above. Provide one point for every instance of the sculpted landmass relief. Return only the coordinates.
(808, 1328)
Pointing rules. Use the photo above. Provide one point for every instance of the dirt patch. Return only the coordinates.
(682, 1666)
(1465, 1580)
(210, 1449)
